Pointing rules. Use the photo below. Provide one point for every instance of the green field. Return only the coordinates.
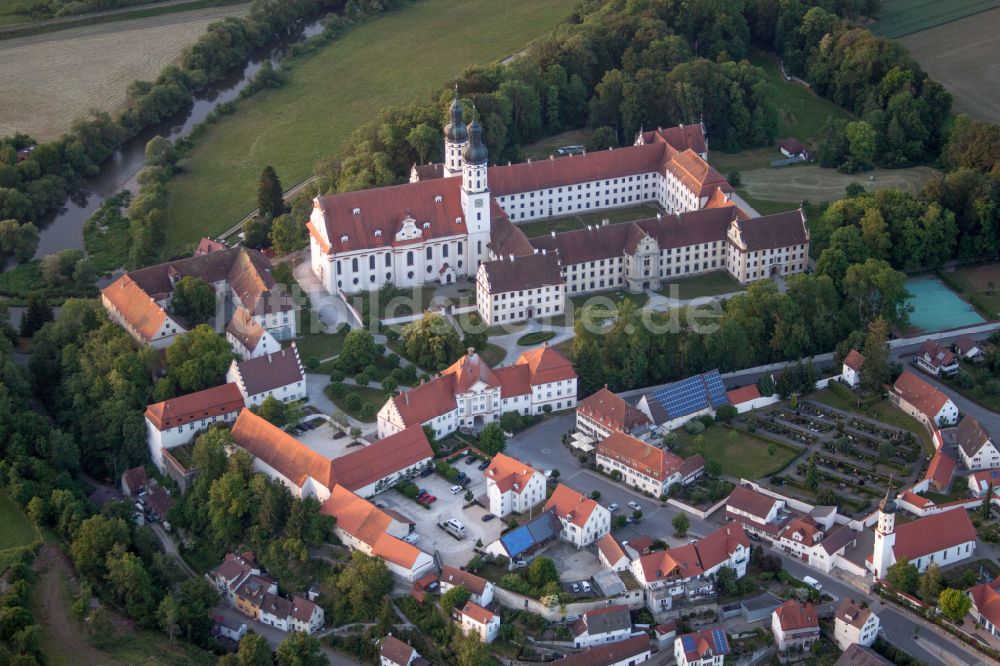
(801, 114)
(982, 284)
(397, 59)
(709, 284)
(572, 222)
(742, 456)
(17, 11)
(17, 531)
(903, 17)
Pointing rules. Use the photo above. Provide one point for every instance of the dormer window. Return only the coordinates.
(343, 239)
(378, 232)
(438, 198)
(427, 225)
(458, 220)
(357, 211)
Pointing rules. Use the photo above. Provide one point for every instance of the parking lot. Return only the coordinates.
(452, 551)
(573, 565)
(326, 439)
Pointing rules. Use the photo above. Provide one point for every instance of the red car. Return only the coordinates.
(429, 499)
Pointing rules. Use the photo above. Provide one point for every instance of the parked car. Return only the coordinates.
(462, 477)
(635, 506)
(575, 587)
(427, 472)
(629, 519)
(520, 564)
(613, 507)
(548, 474)
(422, 493)
(585, 585)
(812, 582)
(483, 465)
(471, 460)
(454, 490)
(429, 499)
(488, 517)
(412, 538)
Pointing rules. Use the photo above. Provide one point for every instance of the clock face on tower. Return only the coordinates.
(479, 203)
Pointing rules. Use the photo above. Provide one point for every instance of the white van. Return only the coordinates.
(411, 538)
(454, 490)
(812, 582)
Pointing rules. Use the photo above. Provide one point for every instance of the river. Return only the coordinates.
(63, 228)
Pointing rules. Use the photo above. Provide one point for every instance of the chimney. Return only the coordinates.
(471, 351)
(553, 233)
(605, 222)
(552, 158)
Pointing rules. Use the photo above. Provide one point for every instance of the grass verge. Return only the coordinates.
(699, 286)
(740, 454)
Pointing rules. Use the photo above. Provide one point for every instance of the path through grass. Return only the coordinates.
(396, 59)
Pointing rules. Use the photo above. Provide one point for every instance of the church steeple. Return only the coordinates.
(475, 152)
(456, 137)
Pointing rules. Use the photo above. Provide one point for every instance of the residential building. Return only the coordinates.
(986, 605)
(935, 360)
(940, 538)
(512, 486)
(469, 393)
(274, 611)
(981, 481)
(474, 619)
(366, 471)
(851, 370)
(277, 375)
(799, 536)
(247, 337)
(685, 572)
(140, 300)
(795, 625)
(583, 520)
(394, 652)
(641, 465)
(480, 589)
(707, 647)
(602, 625)
(176, 421)
(231, 629)
(922, 401)
(968, 349)
(529, 537)
(612, 554)
(976, 446)
(758, 513)
(363, 526)
(859, 655)
(305, 616)
(605, 412)
(855, 624)
(628, 652)
(232, 573)
(940, 471)
(254, 591)
(791, 147)
(134, 481)
(675, 404)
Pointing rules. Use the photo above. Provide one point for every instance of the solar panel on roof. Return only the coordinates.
(688, 643)
(517, 541)
(692, 394)
(719, 641)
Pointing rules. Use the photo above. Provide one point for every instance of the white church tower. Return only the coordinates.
(885, 535)
(476, 196)
(456, 137)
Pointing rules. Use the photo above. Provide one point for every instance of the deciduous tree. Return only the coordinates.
(193, 300)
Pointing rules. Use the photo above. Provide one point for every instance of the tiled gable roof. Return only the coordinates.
(941, 469)
(457, 577)
(680, 137)
(546, 365)
(794, 615)
(610, 548)
(854, 360)
(476, 613)
(851, 612)
(935, 354)
(469, 370)
(611, 411)
(270, 371)
(750, 502)
(986, 599)
(738, 396)
(287, 455)
(509, 473)
(924, 397)
(215, 401)
(696, 174)
(570, 505)
(245, 328)
(971, 436)
(355, 515)
(640, 456)
(534, 271)
(380, 459)
(773, 231)
(426, 400)
(932, 534)
(396, 651)
(136, 306)
(609, 653)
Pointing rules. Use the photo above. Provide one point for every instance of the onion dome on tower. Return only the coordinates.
(888, 503)
(475, 152)
(455, 131)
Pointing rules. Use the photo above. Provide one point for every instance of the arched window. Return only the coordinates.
(388, 259)
(430, 253)
(371, 262)
(409, 258)
(354, 265)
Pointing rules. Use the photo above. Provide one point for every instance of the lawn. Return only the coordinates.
(374, 396)
(573, 222)
(741, 455)
(17, 11)
(17, 530)
(536, 338)
(494, 355)
(540, 150)
(397, 59)
(765, 207)
(980, 285)
(709, 284)
(903, 17)
(402, 303)
(319, 345)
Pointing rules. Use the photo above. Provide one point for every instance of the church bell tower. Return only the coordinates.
(456, 138)
(476, 196)
(885, 534)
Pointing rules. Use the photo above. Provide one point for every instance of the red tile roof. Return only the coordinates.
(470, 369)
(426, 401)
(245, 329)
(546, 365)
(215, 401)
(270, 371)
(851, 612)
(396, 651)
(718, 546)
(290, 457)
(806, 529)
(936, 355)
(743, 394)
(924, 397)
(941, 469)
(207, 246)
(680, 137)
(135, 478)
(965, 344)
(635, 454)
(571, 505)
(609, 653)
(457, 577)
(696, 174)
(693, 559)
(476, 612)
(135, 306)
(611, 411)
(793, 615)
(509, 473)
(302, 609)
(986, 599)
(791, 145)
(355, 515)
(933, 533)
(610, 548)
(971, 436)
(750, 501)
(380, 459)
(704, 643)
(854, 360)
(397, 551)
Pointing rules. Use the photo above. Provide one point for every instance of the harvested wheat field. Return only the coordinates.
(962, 56)
(813, 183)
(47, 81)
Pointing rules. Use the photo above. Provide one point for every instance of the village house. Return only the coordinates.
(480, 590)
(469, 393)
(604, 412)
(986, 605)
(366, 470)
(394, 652)
(583, 520)
(685, 572)
(232, 573)
(791, 147)
(706, 647)
(758, 513)
(854, 624)
(512, 486)
(134, 481)
(935, 360)
(247, 337)
(474, 619)
(795, 625)
(968, 349)
(851, 370)
(176, 421)
(602, 625)
(140, 300)
(277, 375)
(641, 465)
(939, 538)
(628, 652)
(612, 554)
(231, 629)
(923, 402)
(976, 446)
(981, 481)
(940, 471)
(363, 526)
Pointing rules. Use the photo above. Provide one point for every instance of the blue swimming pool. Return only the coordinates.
(937, 308)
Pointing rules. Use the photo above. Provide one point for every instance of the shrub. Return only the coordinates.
(336, 390)
(353, 401)
(725, 413)
(368, 410)
(312, 363)
(410, 490)
(694, 427)
(361, 379)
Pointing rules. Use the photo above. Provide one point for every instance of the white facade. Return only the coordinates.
(290, 392)
(516, 499)
(793, 638)
(487, 631)
(500, 307)
(850, 376)
(587, 639)
(157, 440)
(987, 457)
(597, 525)
(708, 659)
(846, 634)
(310, 487)
(265, 345)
